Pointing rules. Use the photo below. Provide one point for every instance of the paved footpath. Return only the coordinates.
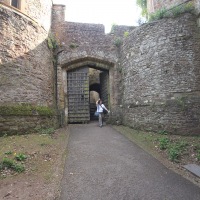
(104, 165)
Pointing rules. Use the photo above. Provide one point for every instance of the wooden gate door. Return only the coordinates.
(104, 88)
(78, 95)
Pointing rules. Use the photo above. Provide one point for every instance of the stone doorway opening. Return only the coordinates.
(85, 85)
(98, 82)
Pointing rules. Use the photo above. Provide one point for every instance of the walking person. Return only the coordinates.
(100, 108)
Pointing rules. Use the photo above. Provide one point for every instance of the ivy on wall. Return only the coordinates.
(143, 5)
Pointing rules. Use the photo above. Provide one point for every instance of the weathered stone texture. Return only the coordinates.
(154, 73)
(84, 44)
(58, 18)
(26, 70)
(160, 64)
(81, 40)
(38, 10)
(26, 124)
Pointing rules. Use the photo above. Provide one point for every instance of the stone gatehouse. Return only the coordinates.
(52, 71)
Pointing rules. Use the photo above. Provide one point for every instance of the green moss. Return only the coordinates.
(126, 34)
(73, 45)
(118, 42)
(26, 110)
(52, 42)
(174, 11)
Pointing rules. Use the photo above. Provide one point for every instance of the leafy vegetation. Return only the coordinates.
(162, 132)
(8, 152)
(178, 10)
(10, 164)
(176, 148)
(118, 42)
(143, 5)
(126, 34)
(159, 14)
(52, 42)
(163, 143)
(175, 11)
(45, 131)
(20, 157)
(73, 45)
(113, 28)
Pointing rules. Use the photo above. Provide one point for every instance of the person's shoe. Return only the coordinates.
(100, 126)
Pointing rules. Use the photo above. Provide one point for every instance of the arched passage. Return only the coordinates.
(95, 87)
(77, 87)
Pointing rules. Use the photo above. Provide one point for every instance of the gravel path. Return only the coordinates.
(104, 165)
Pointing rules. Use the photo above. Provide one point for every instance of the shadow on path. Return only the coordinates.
(104, 165)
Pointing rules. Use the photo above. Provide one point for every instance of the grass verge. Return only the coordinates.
(174, 151)
(35, 160)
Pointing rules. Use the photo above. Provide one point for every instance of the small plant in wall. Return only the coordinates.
(113, 28)
(52, 42)
(178, 10)
(126, 34)
(173, 11)
(73, 45)
(159, 14)
(118, 42)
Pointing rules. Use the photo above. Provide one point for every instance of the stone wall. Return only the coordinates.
(161, 76)
(26, 63)
(79, 40)
(25, 124)
(38, 10)
(83, 44)
(58, 19)
(26, 68)
(154, 74)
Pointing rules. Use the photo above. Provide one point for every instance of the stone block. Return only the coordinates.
(193, 168)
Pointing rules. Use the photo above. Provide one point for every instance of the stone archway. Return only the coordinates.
(66, 68)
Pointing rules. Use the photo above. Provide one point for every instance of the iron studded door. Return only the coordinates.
(78, 95)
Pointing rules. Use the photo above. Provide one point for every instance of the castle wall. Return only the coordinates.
(40, 11)
(26, 67)
(85, 44)
(161, 76)
(154, 73)
(81, 39)
(37, 10)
